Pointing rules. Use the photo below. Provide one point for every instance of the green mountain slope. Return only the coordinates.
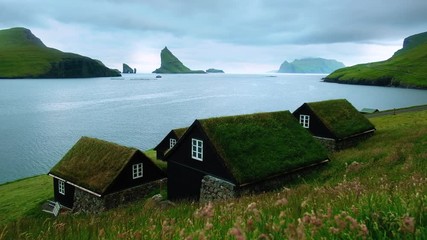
(406, 68)
(171, 64)
(23, 55)
(310, 65)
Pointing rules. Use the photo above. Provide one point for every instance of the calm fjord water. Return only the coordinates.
(40, 120)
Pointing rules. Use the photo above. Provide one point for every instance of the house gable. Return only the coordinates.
(165, 144)
(185, 174)
(341, 118)
(150, 172)
(336, 119)
(315, 126)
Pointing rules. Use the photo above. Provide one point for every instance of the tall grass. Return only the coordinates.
(377, 190)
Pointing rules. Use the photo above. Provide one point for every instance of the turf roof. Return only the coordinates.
(341, 117)
(93, 164)
(180, 131)
(257, 146)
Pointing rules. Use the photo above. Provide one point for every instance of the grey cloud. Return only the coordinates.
(253, 22)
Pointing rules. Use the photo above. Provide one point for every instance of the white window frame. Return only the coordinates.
(197, 149)
(61, 187)
(172, 142)
(137, 170)
(304, 120)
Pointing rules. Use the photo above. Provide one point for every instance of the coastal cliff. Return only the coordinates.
(23, 55)
(407, 68)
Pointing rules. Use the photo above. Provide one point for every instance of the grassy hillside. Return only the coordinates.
(171, 64)
(377, 190)
(406, 68)
(23, 55)
(23, 197)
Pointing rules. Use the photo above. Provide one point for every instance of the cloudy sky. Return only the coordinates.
(251, 36)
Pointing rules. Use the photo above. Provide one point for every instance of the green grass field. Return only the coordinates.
(377, 190)
(23, 197)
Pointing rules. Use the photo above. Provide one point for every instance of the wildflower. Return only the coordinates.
(353, 222)
(300, 230)
(334, 230)
(355, 209)
(408, 225)
(363, 231)
(208, 226)
(263, 236)
(281, 202)
(101, 233)
(250, 224)
(237, 233)
(205, 212)
(251, 206)
(304, 203)
(137, 235)
(60, 226)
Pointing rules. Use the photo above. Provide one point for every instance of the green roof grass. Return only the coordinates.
(341, 117)
(255, 147)
(180, 131)
(93, 164)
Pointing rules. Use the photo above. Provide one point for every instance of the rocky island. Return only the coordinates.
(171, 64)
(406, 68)
(213, 70)
(23, 55)
(128, 69)
(310, 65)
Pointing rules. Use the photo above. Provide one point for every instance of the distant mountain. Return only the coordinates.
(213, 70)
(171, 64)
(310, 65)
(23, 55)
(406, 68)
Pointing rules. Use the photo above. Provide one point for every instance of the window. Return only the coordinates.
(197, 149)
(304, 120)
(172, 142)
(137, 170)
(61, 187)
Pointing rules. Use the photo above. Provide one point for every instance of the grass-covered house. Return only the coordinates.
(220, 158)
(96, 175)
(336, 123)
(168, 142)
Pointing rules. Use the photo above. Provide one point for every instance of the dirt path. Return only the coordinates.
(397, 111)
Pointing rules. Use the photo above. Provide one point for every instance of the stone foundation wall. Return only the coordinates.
(353, 141)
(213, 189)
(328, 143)
(333, 145)
(86, 202)
(132, 194)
